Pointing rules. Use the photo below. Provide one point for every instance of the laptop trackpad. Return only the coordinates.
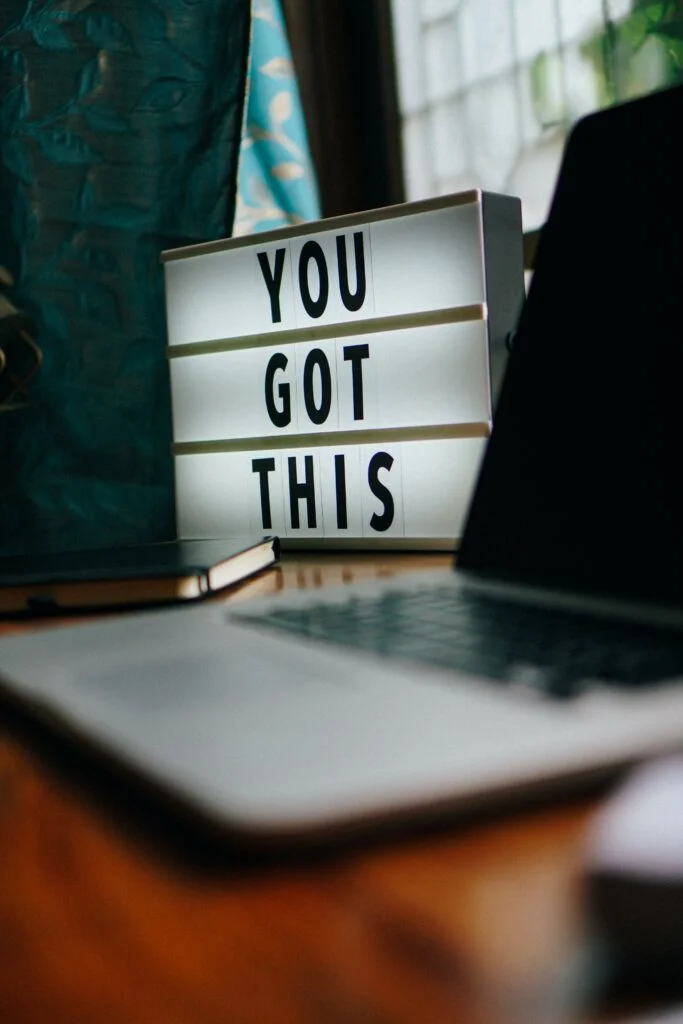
(267, 734)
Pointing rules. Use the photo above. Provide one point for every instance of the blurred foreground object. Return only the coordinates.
(634, 871)
(20, 357)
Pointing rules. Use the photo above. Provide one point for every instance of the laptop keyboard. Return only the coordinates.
(554, 652)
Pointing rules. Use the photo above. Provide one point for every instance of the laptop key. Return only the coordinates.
(496, 638)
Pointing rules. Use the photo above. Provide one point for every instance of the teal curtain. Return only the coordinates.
(276, 181)
(120, 125)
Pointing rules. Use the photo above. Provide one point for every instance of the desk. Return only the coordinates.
(101, 927)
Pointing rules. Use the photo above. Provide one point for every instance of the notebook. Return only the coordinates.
(554, 651)
(180, 570)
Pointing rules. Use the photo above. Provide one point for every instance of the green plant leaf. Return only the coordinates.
(654, 10)
(668, 30)
(634, 30)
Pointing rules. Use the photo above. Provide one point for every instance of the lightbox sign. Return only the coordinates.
(332, 382)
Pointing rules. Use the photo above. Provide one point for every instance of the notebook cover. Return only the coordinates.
(133, 567)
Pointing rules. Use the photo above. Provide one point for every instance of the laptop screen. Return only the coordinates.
(580, 483)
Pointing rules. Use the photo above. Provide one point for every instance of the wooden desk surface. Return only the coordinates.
(99, 925)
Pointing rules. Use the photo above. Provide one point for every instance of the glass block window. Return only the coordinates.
(488, 89)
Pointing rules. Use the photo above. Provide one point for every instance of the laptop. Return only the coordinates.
(553, 652)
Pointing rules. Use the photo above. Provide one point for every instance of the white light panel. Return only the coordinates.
(332, 384)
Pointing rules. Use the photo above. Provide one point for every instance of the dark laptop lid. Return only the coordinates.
(580, 483)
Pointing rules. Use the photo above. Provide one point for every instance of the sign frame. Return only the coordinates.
(500, 254)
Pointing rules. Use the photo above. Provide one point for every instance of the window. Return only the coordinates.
(489, 88)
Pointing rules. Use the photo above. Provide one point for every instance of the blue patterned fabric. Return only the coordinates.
(276, 182)
(120, 123)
